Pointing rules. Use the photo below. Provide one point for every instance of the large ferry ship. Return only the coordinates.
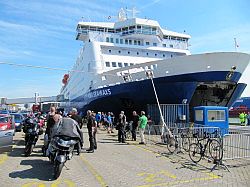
(110, 73)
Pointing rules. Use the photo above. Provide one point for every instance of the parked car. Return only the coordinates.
(7, 130)
(4, 112)
(18, 121)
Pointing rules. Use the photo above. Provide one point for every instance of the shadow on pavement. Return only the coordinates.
(42, 170)
(19, 152)
(110, 139)
(105, 142)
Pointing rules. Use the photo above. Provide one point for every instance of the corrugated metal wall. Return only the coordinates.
(174, 114)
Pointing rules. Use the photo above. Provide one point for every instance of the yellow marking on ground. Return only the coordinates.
(3, 158)
(34, 184)
(168, 174)
(98, 177)
(150, 177)
(147, 150)
(179, 182)
(65, 181)
(68, 183)
(211, 176)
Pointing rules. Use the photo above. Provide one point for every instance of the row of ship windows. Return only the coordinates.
(137, 53)
(118, 64)
(133, 42)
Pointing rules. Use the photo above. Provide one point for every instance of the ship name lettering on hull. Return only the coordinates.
(98, 93)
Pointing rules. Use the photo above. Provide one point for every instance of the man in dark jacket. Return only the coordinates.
(135, 120)
(121, 127)
(50, 121)
(76, 117)
(92, 128)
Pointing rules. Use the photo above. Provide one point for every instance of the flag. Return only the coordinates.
(236, 43)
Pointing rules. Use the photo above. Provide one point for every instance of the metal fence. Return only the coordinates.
(235, 142)
(172, 113)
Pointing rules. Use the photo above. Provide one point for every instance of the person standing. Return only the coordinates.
(121, 127)
(242, 118)
(76, 117)
(50, 121)
(109, 121)
(91, 125)
(135, 120)
(98, 118)
(248, 118)
(142, 125)
(245, 119)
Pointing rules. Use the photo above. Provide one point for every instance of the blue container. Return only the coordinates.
(212, 116)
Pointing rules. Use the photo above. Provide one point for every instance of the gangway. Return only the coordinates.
(36, 99)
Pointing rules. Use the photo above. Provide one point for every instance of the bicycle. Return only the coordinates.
(197, 150)
(128, 130)
(185, 138)
(170, 141)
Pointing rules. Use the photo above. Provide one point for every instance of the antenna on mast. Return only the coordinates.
(133, 11)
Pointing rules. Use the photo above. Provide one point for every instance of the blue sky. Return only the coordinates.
(42, 33)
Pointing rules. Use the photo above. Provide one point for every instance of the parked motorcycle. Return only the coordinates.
(32, 131)
(60, 150)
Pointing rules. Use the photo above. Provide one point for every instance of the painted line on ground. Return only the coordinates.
(211, 176)
(3, 158)
(98, 177)
(57, 183)
(180, 182)
(64, 181)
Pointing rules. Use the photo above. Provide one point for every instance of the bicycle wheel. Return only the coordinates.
(195, 152)
(128, 135)
(215, 150)
(172, 145)
(185, 143)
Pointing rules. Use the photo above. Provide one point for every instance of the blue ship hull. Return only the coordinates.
(137, 95)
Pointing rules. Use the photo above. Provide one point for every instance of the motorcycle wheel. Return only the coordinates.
(58, 169)
(28, 149)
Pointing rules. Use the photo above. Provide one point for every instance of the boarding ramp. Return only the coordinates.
(38, 99)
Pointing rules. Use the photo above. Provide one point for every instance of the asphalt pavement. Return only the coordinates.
(117, 165)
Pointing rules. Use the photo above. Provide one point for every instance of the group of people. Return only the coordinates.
(69, 125)
(244, 118)
(94, 120)
(106, 120)
(137, 122)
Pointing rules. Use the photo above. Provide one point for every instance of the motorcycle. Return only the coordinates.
(60, 150)
(32, 131)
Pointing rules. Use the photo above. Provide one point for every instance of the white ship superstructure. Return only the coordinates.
(109, 46)
(112, 62)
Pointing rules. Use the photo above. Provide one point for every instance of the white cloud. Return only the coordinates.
(223, 38)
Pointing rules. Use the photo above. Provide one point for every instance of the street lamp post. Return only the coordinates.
(36, 98)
